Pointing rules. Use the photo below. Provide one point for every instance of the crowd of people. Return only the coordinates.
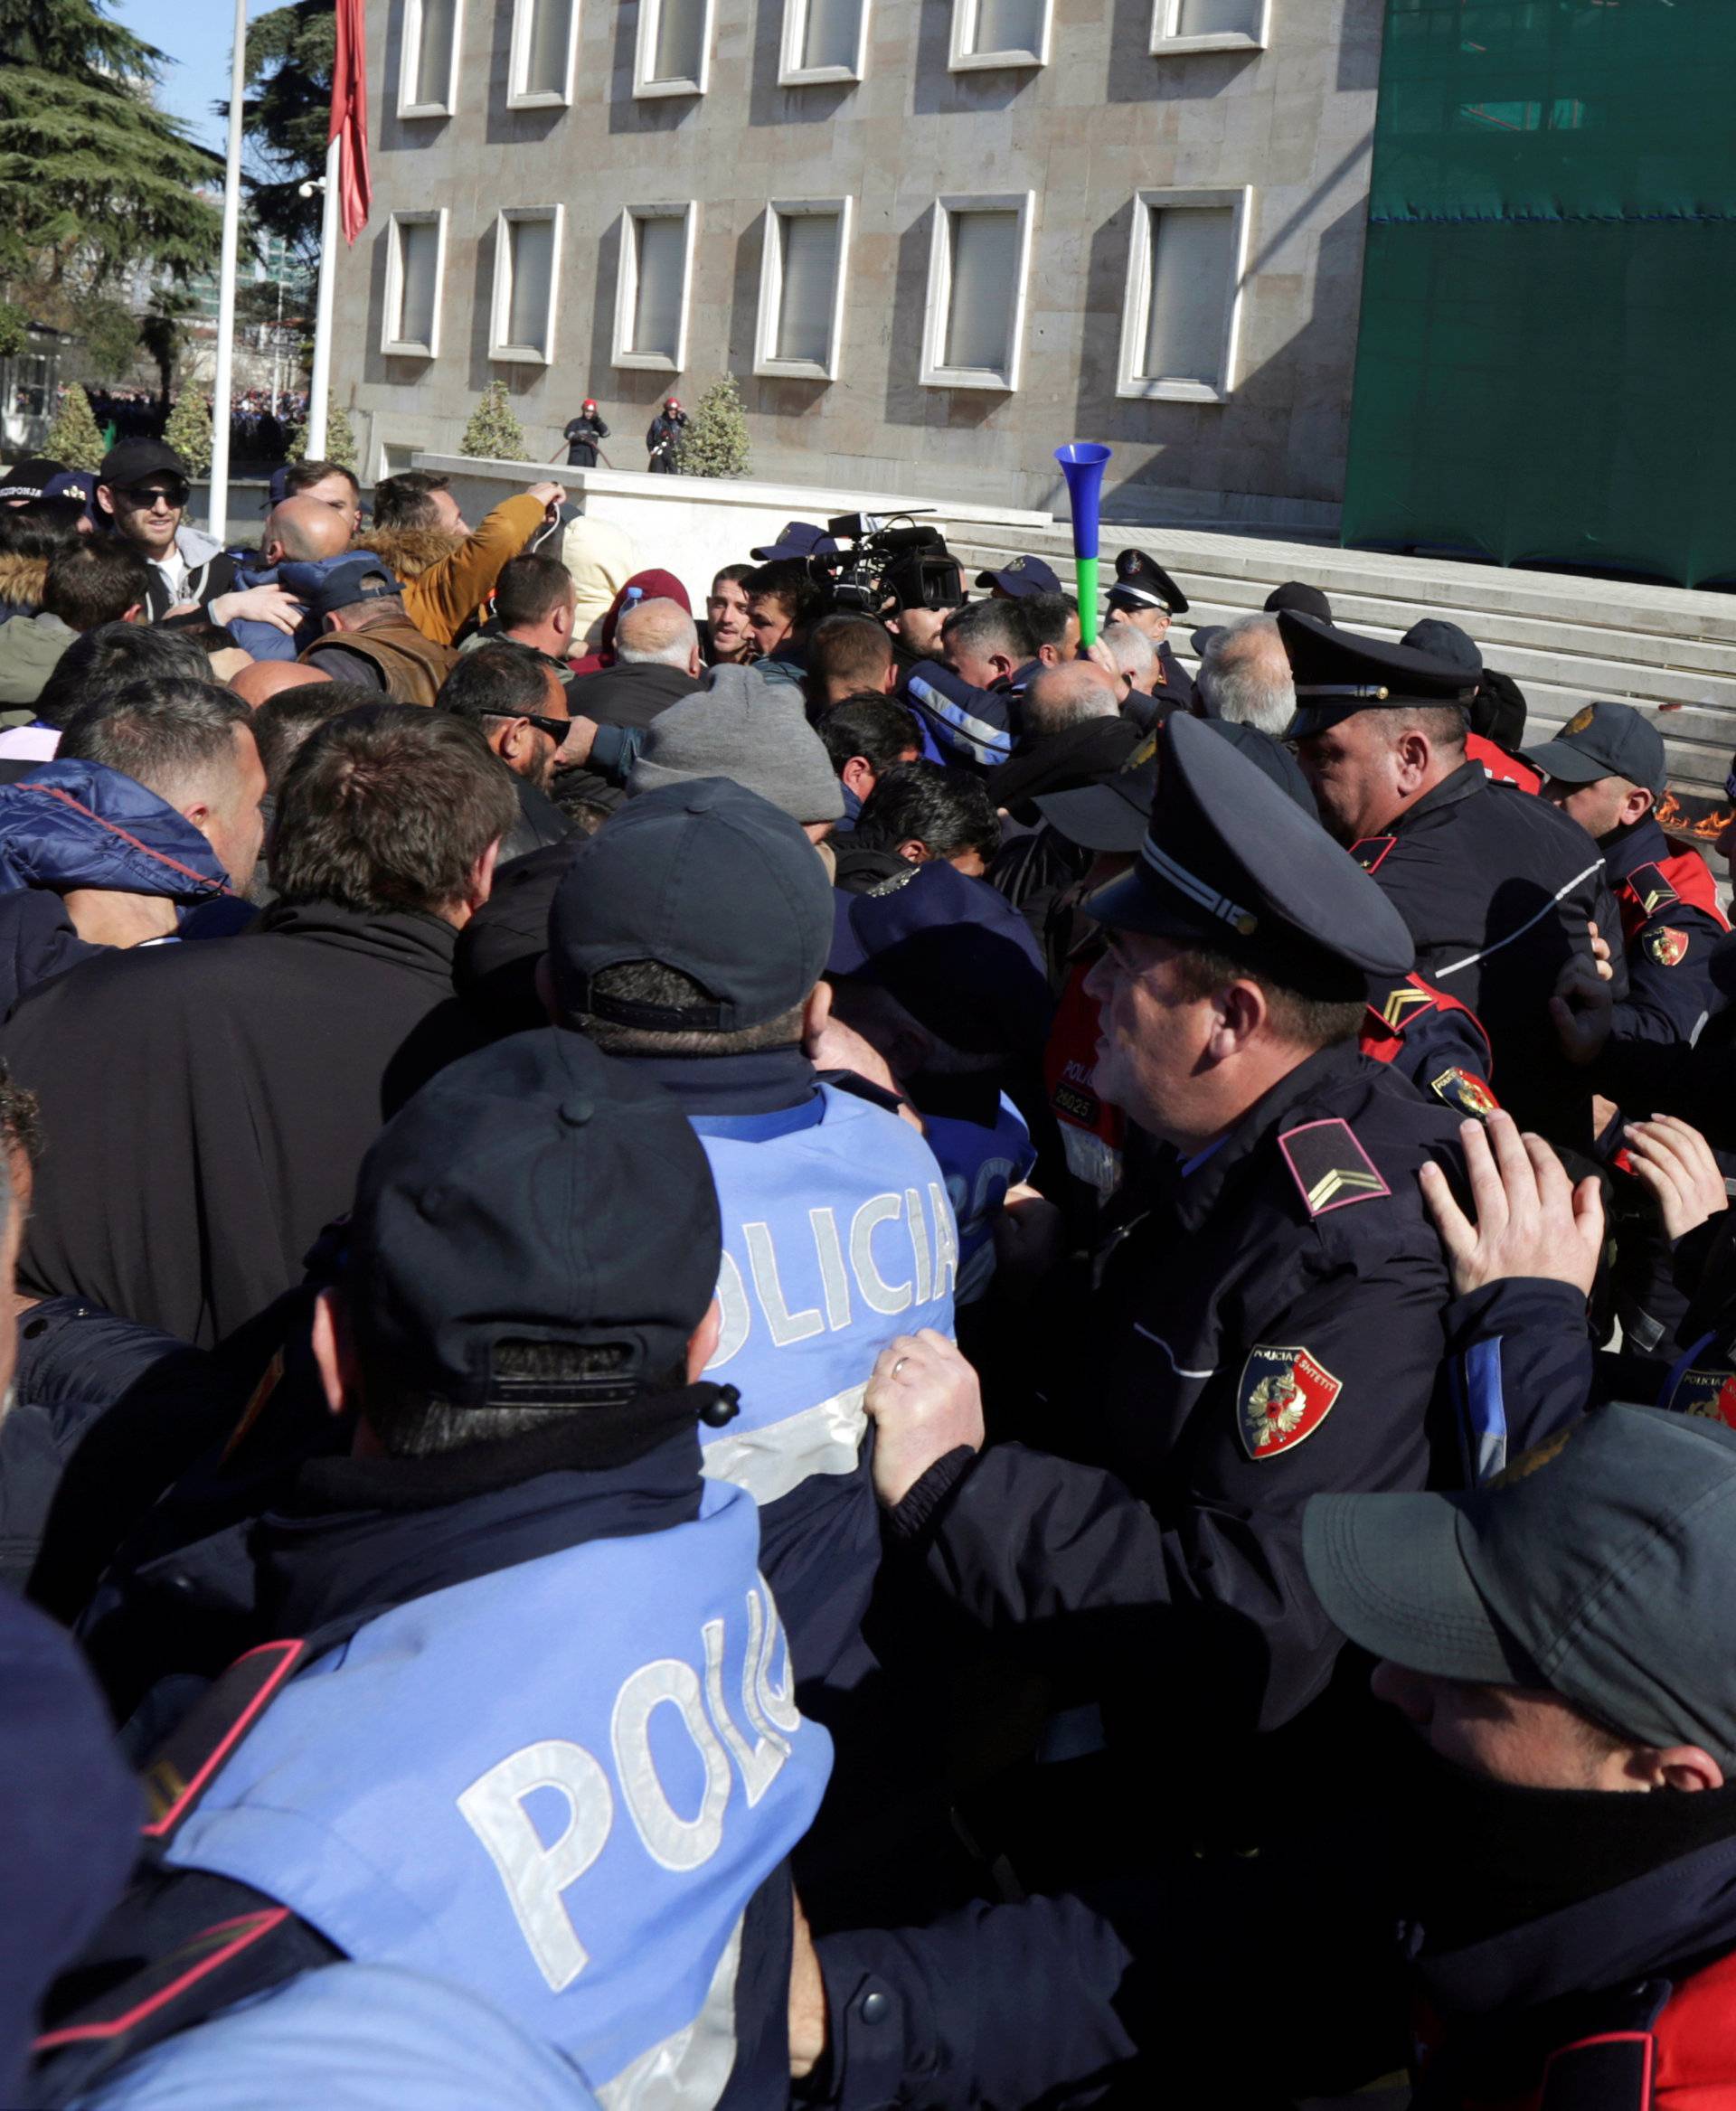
(852, 1356)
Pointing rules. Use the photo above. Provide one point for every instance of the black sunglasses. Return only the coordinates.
(144, 495)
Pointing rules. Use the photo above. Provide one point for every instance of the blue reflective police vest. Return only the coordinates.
(980, 1165)
(839, 1235)
(559, 1784)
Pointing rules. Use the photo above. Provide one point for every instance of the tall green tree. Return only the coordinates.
(92, 175)
(290, 54)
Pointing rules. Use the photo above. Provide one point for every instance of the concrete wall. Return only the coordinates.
(1102, 118)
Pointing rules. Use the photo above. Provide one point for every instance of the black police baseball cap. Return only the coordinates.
(1141, 582)
(1231, 862)
(797, 539)
(535, 1192)
(1600, 1566)
(1604, 739)
(1298, 595)
(1446, 641)
(704, 877)
(28, 480)
(135, 459)
(1023, 576)
(1337, 673)
(321, 586)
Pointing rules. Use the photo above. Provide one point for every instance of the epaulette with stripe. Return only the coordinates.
(1330, 1168)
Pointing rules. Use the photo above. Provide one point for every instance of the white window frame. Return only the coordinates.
(771, 290)
(935, 373)
(1167, 14)
(500, 306)
(965, 60)
(1137, 304)
(520, 97)
(645, 53)
(407, 64)
(792, 74)
(404, 347)
(627, 285)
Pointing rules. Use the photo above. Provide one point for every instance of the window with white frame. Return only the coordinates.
(1209, 26)
(544, 33)
(415, 269)
(824, 40)
(673, 55)
(978, 254)
(527, 280)
(427, 72)
(652, 284)
(801, 287)
(1181, 313)
(999, 32)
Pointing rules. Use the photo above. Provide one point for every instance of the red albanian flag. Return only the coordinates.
(350, 117)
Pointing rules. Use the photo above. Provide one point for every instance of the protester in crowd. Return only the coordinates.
(600, 559)
(329, 482)
(260, 1068)
(918, 810)
(83, 587)
(784, 604)
(533, 608)
(97, 665)
(150, 812)
(521, 710)
(260, 680)
(303, 531)
(284, 720)
(1134, 658)
(26, 544)
(448, 568)
(847, 656)
(1244, 676)
(142, 492)
(864, 735)
(367, 636)
(724, 636)
(651, 585)
(1071, 694)
(657, 663)
(1053, 620)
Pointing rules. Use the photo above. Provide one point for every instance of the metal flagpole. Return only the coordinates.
(320, 387)
(217, 518)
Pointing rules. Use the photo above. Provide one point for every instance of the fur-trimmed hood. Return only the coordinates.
(22, 580)
(408, 552)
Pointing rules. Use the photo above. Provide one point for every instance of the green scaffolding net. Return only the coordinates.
(1546, 369)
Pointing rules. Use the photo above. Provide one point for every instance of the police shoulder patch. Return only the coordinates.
(1666, 945)
(1650, 889)
(1465, 1090)
(1284, 1395)
(1710, 1394)
(1330, 1166)
(1369, 850)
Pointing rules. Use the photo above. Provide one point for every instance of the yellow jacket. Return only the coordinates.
(447, 579)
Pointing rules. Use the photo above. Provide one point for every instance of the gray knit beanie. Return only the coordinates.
(742, 726)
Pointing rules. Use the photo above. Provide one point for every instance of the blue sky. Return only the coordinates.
(196, 32)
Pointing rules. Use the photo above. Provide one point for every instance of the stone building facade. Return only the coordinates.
(933, 238)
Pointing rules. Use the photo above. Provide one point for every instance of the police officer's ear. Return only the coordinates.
(702, 1343)
(1239, 1011)
(335, 1352)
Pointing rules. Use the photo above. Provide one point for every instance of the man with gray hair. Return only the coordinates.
(1135, 657)
(657, 663)
(1245, 676)
(1066, 695)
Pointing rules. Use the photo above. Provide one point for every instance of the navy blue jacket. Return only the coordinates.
(1671, 927)
(960, 722)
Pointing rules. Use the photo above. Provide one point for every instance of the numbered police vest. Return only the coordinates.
(838, 1236)
(979, 1164)
(559, 1786)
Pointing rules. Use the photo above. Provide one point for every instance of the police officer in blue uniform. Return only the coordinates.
(1496, 888)
(1607, 768)
(1277, 1321)
(688, 939)
(1146, 595)
(526, 1721)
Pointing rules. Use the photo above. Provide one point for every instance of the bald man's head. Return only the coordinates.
(1065, 695)
(303, 530)
(657, 633)
(265, 678)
